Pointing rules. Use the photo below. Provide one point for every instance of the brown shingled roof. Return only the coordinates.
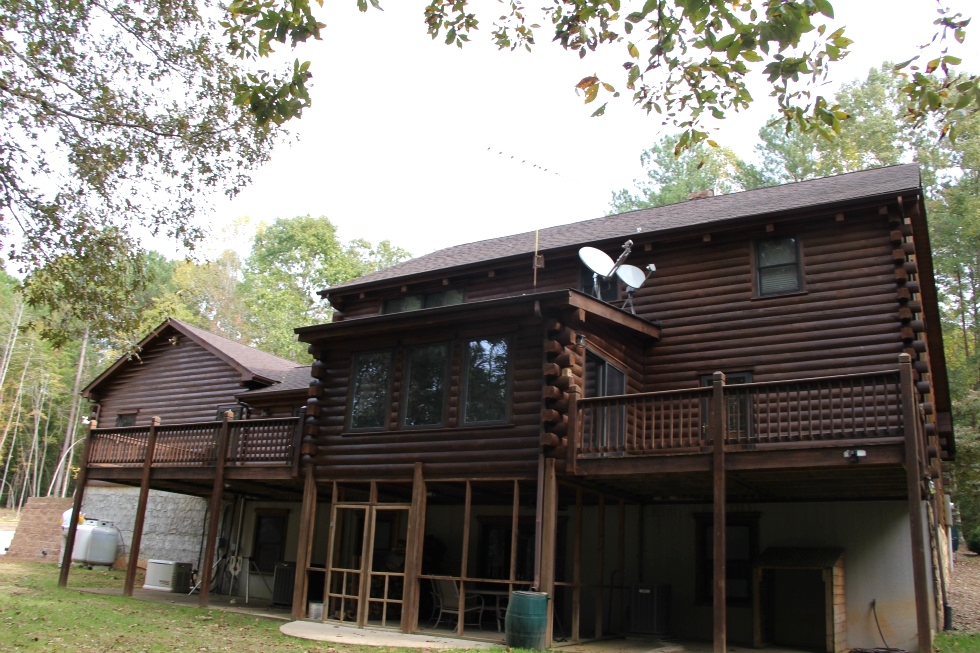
(294, 380)
(253, 364)
(848, 187)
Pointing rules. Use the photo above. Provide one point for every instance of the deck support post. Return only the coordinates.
(413, 553)
(463, 571)
(220, 455)
(304, 546)
(76, 508)
(910, 422)
(134, 547)
(717, 427)
(577, 570)
(548, 538)
(600, 557)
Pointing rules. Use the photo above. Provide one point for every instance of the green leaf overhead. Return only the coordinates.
(119, 119)
(688, 59)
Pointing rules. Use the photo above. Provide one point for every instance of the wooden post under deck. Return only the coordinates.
(217, 490)
(549, 535)
(304, 547)
(621, 564)
(461, 615)
(76, 508)
(914, 481)
(600, 556)
(717, 428)
(413, 553)
(577, 570)
(134, 547)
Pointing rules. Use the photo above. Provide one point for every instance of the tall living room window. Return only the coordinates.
(778, 266)
(426, 368)
(487, 380)
(370, 383)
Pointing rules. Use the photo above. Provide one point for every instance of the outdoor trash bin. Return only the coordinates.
(526, 621)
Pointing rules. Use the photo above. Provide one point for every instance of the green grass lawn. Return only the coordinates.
(958, 642)
(35, 615)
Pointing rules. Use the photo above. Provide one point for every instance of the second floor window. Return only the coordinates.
(370, 381)
(426, 368)
(778, 266)
(419, 301)
(487, 380)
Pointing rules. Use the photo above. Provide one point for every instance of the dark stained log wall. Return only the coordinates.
(178, 383)
(845, 321)
(453, 451)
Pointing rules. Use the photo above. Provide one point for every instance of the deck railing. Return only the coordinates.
(250, 442)
(851, 407)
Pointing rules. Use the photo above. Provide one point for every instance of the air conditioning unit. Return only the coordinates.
(167, 576)
(650, 609)
(283, 582)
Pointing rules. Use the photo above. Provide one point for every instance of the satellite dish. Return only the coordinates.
(631, 275)
(597, 260)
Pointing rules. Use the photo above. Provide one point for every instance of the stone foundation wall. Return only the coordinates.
(172, 528)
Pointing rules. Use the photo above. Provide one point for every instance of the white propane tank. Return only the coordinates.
(95, 543)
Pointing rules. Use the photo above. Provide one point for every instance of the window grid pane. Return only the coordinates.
(779, 280)
(369, 394)
(778, 266)
(426, 388)
(488, 364)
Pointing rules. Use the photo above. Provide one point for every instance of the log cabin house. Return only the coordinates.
(181, 381)
(753, 454)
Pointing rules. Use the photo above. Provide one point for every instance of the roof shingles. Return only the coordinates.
(721, 208)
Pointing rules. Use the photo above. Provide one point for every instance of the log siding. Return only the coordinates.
(179, 382)
(393, 452)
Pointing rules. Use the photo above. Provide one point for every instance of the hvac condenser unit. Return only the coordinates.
(283, 582)
(650, 609)
(167, 576)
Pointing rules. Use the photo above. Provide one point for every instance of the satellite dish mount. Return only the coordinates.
(602, 266)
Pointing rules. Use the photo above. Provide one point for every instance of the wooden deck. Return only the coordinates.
(828, 409)
(260, 448)
(661, 442)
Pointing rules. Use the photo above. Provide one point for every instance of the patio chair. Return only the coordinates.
(445, 594)
(501, 611)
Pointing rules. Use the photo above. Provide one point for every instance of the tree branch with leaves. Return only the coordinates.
(119, 122)
(687, 61)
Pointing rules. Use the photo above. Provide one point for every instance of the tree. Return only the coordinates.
(207, 295)
(673, 174)
(875, 134)
(291, 260)
(687, 59)
(118, 121)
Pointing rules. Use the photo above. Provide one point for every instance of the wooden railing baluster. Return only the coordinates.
(830, 408)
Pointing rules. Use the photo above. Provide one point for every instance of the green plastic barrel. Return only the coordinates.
(526, 621)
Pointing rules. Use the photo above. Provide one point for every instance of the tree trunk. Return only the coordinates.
(8, 349)
(13, 411)
(61, 475)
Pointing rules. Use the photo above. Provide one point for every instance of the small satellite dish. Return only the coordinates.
(631, 275)
(597, 260)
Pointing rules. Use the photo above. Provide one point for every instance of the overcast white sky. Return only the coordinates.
(405, 135)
